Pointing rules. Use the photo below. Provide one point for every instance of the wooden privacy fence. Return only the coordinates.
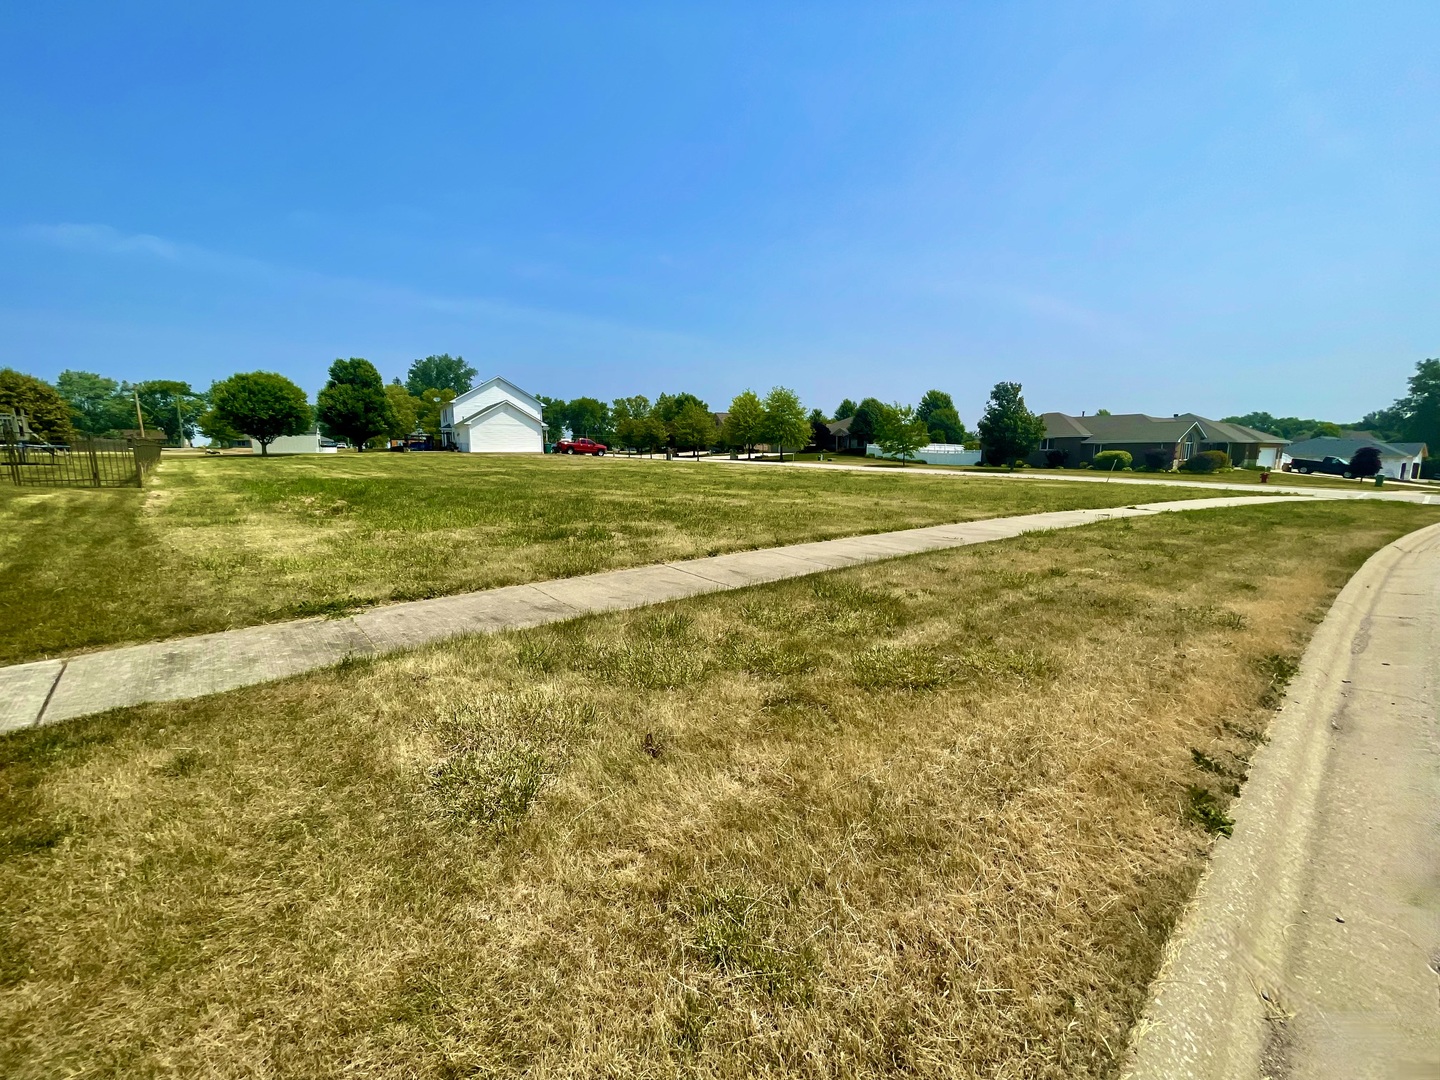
(81, 463)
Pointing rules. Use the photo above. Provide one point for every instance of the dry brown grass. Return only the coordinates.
(933, 815)
(217, 543)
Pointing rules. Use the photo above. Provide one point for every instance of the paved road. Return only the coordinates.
(1424, 494)
(53, 690)
(1312, 948)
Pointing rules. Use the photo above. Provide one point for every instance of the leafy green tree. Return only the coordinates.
(97, 405)
(862, 425)
(217, 430)
(817, 416)
(786, 423)
(443, 372)
(1287, 427)
(627, 433)
(627, 416)
(1365, 462)
(552, 414)
(1421, 407)
(405, 410)
(171, 406)
(820, 435)
(668, 406)
(427, 411)
(651, 434)
(1384, 424)
(47, 413)
(588, 418)
(746, 422)
(1008, 430)
(937, 412)
(901, 432)
(260, 404)
(636, 407)
(353, 405)
(845, 410)
(694, 427)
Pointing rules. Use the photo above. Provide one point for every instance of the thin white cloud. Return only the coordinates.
(107, 240)
(102, 238)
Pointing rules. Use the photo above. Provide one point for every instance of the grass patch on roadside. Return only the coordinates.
(216, 543)
(935, 815)
(1238, 477)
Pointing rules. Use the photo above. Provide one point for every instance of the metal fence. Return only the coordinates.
(81, 463)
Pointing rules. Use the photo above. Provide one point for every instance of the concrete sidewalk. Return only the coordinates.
(1312, 948)
(52, 690)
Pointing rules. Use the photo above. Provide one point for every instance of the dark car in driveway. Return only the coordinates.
(1333, 466)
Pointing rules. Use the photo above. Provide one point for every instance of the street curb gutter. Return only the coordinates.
(1217, 1005)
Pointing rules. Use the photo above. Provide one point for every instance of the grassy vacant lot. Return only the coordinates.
(223, 542)
(1238, 477)
(935, 815)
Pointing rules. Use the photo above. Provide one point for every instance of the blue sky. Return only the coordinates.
(1145, 206)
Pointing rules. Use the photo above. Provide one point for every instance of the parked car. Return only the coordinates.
(581, 446)
(1332, 465)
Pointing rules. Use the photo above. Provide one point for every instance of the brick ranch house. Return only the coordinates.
(1073, 440)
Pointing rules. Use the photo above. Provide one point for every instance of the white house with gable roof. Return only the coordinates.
(496, 417)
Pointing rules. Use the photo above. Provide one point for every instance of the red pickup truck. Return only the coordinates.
(581, 446)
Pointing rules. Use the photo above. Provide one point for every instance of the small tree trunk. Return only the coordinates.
(264, 449)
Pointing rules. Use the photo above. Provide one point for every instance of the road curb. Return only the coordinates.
(1218, 1006)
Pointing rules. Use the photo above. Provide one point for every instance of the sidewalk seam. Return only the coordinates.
(40, 715)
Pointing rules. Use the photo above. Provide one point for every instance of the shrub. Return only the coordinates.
(1207, 461)
(1111, 460)
(1366, 462)
(1158, 460)
(1055, 458)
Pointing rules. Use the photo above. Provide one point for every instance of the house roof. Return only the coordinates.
(474, 390)
(1060, 426)
(1136, 428)
(1220, 431)
(1413, 448)
(488, 409)
(1140, 428)
(1345, 449)
(840, 427)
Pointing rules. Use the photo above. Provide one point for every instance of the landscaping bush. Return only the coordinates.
(1207, 461)
(1111, 460)
(1366, 462)
(1055, 458)
(1158, 460)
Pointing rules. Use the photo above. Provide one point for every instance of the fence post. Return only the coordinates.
(12, 459)
(139, 477)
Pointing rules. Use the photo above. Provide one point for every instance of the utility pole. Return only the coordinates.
(138, 415)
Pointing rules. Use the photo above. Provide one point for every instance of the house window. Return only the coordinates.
(1047, 444)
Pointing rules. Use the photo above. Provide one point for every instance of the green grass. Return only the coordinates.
(1238, 477)
(215, 543)
(932, 816)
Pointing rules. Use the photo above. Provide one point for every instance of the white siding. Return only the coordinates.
(294, 444)
(489, 393)
(506, 430)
